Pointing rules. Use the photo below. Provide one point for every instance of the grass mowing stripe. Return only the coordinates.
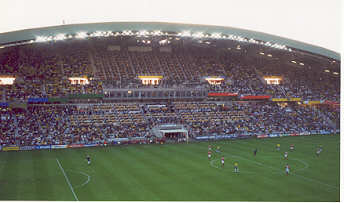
(140, 169)
(303, 177)
(69, 184)
(180, 169)
(168, 170)
(221, 178)
(10, 180)
(300, 182)
(118, 173)
(310, 179)
(158, 164)
(246, 148)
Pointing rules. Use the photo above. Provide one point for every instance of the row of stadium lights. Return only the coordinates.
(83, 35)
(326, 70)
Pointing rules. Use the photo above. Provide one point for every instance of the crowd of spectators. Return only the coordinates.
(85, 124)
(42, 70)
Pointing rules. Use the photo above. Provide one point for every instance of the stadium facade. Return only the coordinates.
(90, 84)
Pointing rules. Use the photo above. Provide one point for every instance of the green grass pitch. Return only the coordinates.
(177, 172)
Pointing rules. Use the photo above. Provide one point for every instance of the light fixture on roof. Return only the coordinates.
(128, 32)
(97, 34)
(41, 39)
(185, 34)
(162, 42)
(269, 55)
(301, 64)
(142, 33)
(198, 35)
(156, 33)
(293, 62)
(60, 37)
(81, 35)
(261, 53)
(335, 73)
(327, 71)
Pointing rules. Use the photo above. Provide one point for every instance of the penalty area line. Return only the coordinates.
(65, 175)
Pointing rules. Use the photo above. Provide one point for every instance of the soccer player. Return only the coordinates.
(287, 169)
(222, 161)
(318, 152)
(255, 152)
(278, 146)
(218, 149)
(236, 167)
(209, 155)
(285, 155)
(320, 148)
(88, 158)
(292, 147)
(209, 147)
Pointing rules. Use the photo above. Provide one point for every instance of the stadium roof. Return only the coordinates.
(30, 34)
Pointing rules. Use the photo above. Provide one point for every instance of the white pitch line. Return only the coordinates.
(65, 175)
(212, 163)
(87, 181)
(305, 178)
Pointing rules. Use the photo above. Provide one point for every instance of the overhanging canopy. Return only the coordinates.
(30, 34)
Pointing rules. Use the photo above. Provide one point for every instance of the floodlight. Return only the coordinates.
(142, 33)
(97, 34)
(216, 35)
(268, 44)
(40, 39)
(185, 34)
(164, 41)
(60, 37)
(81, 35)
(198, 35)
(157, 32)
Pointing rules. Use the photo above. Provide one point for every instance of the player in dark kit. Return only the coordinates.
(88, 158)
(255, 152)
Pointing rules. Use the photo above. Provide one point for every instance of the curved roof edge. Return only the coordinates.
(29, 34)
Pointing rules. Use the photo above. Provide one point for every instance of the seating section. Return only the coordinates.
(42, 70)
(82, 123)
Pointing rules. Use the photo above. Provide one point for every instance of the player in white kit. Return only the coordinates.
(287, 169)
